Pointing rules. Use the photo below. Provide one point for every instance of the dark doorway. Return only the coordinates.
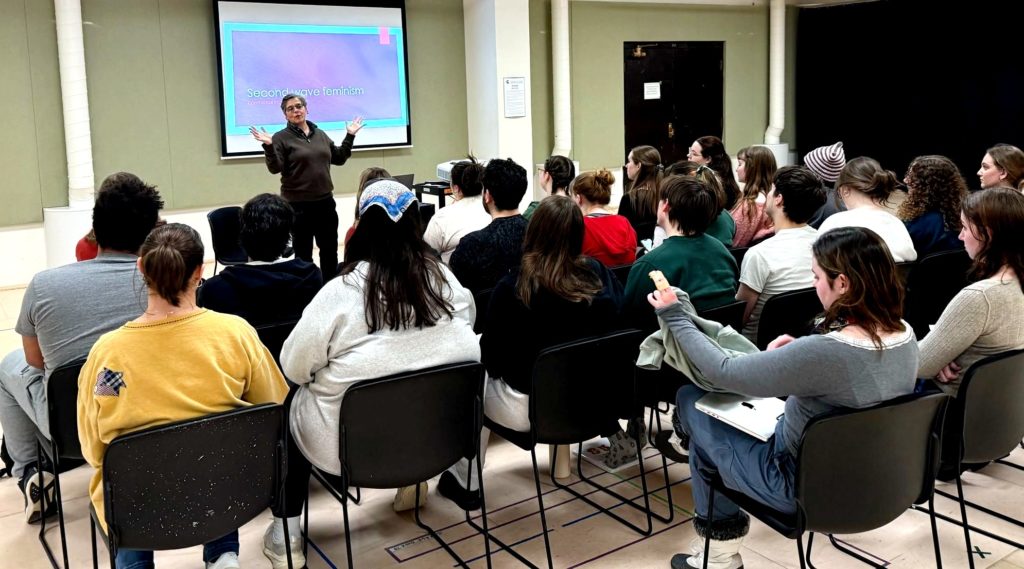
(690, 78)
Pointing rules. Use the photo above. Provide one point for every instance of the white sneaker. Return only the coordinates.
(273, 547)
(405, 498)
(227, 561)
(722, 555)
(34, 497)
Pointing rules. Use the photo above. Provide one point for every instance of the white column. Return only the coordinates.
(498, 48)
(63, 226)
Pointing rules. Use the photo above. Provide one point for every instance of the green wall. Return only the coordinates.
(153, 94)
(598, 30)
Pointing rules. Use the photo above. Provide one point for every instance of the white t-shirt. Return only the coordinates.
(451, 223)
(886, 225)
(779, 264)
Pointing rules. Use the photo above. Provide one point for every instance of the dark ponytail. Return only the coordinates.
(170, 255)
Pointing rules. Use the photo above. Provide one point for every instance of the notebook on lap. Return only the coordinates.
(756, 417)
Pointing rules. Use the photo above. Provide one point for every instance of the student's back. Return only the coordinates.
(263, 293)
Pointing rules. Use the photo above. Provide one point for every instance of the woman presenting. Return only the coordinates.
(303, 154)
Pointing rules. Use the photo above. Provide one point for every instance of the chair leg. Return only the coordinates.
(540, 502)
(707, 535)
(800, 550)
(433, 534)
(287, 544)
(935, 531)
(348, 537)
(586, 499)
(852, 553)
(45, 503)
(963, 516)
(112, 551)
(483, 508)
(1010, 464)
(305, 525)
(92, 540)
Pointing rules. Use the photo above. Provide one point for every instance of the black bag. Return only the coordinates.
(8, 463)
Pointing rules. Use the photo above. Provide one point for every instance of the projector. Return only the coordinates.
(444, 169)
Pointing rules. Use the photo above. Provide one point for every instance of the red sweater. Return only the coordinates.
(610, 239)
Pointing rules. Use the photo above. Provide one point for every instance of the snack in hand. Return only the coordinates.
(660, 282)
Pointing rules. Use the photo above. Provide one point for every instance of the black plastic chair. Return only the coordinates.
(579, 391)
(274, 335)
(62, 415)
(433, 421)
(190, 482)
(728, 314)
(857, 470)
(790, 313)
(931, 284)
(621, 272)
(985, 424)
(738, 253)
(482, 299)
(225, 228)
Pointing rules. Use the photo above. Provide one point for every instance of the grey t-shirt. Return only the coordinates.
(68, 308)
(818, 373)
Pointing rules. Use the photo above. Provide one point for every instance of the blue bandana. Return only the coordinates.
(391, 195)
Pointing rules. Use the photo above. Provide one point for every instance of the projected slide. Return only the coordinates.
(343, 71)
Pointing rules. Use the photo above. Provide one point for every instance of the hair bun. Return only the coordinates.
(605, 177)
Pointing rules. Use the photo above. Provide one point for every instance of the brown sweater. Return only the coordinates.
(304, 162)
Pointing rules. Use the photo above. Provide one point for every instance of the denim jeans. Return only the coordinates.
(133, 559)
(757, 469)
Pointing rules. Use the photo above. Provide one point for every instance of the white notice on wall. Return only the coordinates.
(652, 90)
(515, 97)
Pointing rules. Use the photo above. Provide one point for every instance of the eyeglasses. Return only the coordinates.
(295, 107)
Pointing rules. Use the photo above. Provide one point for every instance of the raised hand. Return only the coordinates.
(354, 125)
(261, 135)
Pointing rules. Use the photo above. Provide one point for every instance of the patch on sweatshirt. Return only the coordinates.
(109, 383)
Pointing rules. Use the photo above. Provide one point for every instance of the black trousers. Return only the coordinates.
(317, 220)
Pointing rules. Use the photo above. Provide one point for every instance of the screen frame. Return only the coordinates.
(399, 4)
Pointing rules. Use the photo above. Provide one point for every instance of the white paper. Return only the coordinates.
(515, 97)
(652, 91)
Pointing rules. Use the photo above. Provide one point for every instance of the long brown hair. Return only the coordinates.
(935, 184)
(712, 148)
(997, 216)
(170, 256)
(760, 171)
(553, 254)
(1010, 160)
(874, 298)
(643, 193)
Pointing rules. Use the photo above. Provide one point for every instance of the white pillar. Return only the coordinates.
(777, 82)
(497, 49)
(63, 226)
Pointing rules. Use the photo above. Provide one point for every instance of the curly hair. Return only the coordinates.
(935, 184)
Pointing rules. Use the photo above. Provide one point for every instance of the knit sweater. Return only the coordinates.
(484, 257)
(148, 374)
(983, 319)
(751, 227)
(304, 161)
(817, 373)
(331, 348)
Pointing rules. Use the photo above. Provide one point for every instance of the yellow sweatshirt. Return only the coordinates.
(147, 374)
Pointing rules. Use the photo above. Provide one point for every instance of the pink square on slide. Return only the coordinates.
(384, 36)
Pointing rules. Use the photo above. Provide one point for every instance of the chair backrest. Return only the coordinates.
(190, 482)
(787, 313)
(482, 299)
(225, 229)
(406, 428)
(931, 284)
(62, 408)
(991, 397)
(621, 272)
(581, 388)
(738, 253)
(858, 470)
(274, 335)
(728, 314)
(405, 179)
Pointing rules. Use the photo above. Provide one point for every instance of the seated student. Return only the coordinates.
(393, 308)
(826, 162)
(931, 210)
(783, 262)
(269, 288)
(723, 227)
(986, 317)
(64, 310)
(865, 188)
(557, 295)
(365, 177)
(555, 177)
(464, 215)
(1002, 167)
(752, 224)
(865, 356)
(710, 151)
(484, 257)
(609, 238)
(640, 204)
(176, 361)
(690, 258)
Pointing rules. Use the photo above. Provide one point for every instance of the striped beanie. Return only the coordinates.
(826, 161)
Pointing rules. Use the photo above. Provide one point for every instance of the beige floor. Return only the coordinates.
(579, 538)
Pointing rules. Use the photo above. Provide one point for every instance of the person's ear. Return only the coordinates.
(841, 283)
